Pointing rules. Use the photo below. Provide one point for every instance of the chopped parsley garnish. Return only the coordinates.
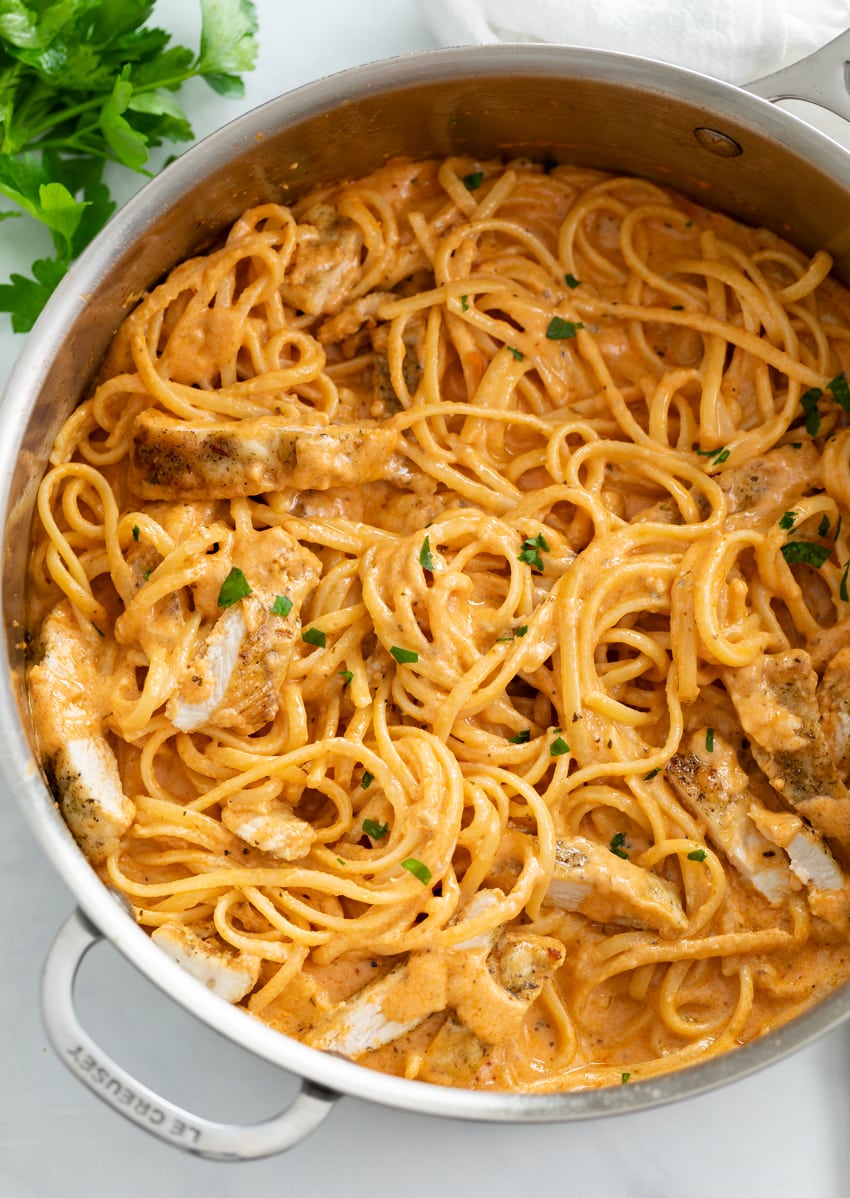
(809, 404)
(842, 590)
(282, 605)
(571, 281)
(404, 656)
(558, 747)
(521, 738)
(234, 588)
(709, 740)
(346, 676)
(530, 552)
(624, 1077)
(837, 532)
(314, 636)
(696, 855)
(418, 869)
(136, 531)
(517, 632)
(840, 391)
(375, 831)
(473, 180)
(823, 527)
(652, 774)
(367, 780)
(516, 353)
(787, 521)
(806, 552)
(718, 456)
(616, 845)
(426, 561)
(464, 303)
(562, 330)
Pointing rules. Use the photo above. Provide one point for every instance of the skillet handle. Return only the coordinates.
(134, 1100)
(822, 78)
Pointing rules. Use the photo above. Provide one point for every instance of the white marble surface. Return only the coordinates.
(782, 1132)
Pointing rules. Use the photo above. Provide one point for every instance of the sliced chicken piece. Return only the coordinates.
(489, 981)
(716, 791)
(173, 459)
(595, 882)
(810, 859)
(360, 1025)
(69, 697)
(834, 704)
(326, 262)
(454, 1056)
(235, 680)
(228, 974)
(492, 998)
(770, 483)
(268, 825)
(776, 701)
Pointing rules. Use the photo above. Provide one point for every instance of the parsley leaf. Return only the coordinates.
(228, 45)
(530, 552)
(696, 855)
(518, 354)
(558, 747)
(562, 330)
(571, 281)
(282, 605)
(806, 552)
(842, 589)
(709, 740)
(787, 521)
(85, 81)
(314, 636)
(404, 656)
(420, 871)
(652, 774)
(374, 830)
(426, 561)
(521, 738)
(840, 391)
(823, 527)
(809, 404)
(616, 845)
(473, 180)
(234, 588)
(346, 676)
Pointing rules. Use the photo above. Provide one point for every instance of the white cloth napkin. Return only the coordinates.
(735, 40)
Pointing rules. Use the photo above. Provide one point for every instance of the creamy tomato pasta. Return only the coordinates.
(441, 624)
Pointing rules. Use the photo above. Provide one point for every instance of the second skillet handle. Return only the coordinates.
(136, 1101)
(821, 78)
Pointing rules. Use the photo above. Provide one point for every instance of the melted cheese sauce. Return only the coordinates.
(441, 610)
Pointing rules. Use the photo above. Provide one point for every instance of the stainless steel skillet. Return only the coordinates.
(727, 147)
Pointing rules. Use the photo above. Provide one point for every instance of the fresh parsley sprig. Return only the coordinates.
(84, 82)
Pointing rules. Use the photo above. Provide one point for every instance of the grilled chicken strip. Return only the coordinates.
(595, 882)
(69, 698)
(228, 974)
(834, 704)
(178, 460)
(489, 981)
(716, 791)
(234, 681)
(776, 701)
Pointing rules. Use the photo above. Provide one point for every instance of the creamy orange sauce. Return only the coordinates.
(442, 624)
